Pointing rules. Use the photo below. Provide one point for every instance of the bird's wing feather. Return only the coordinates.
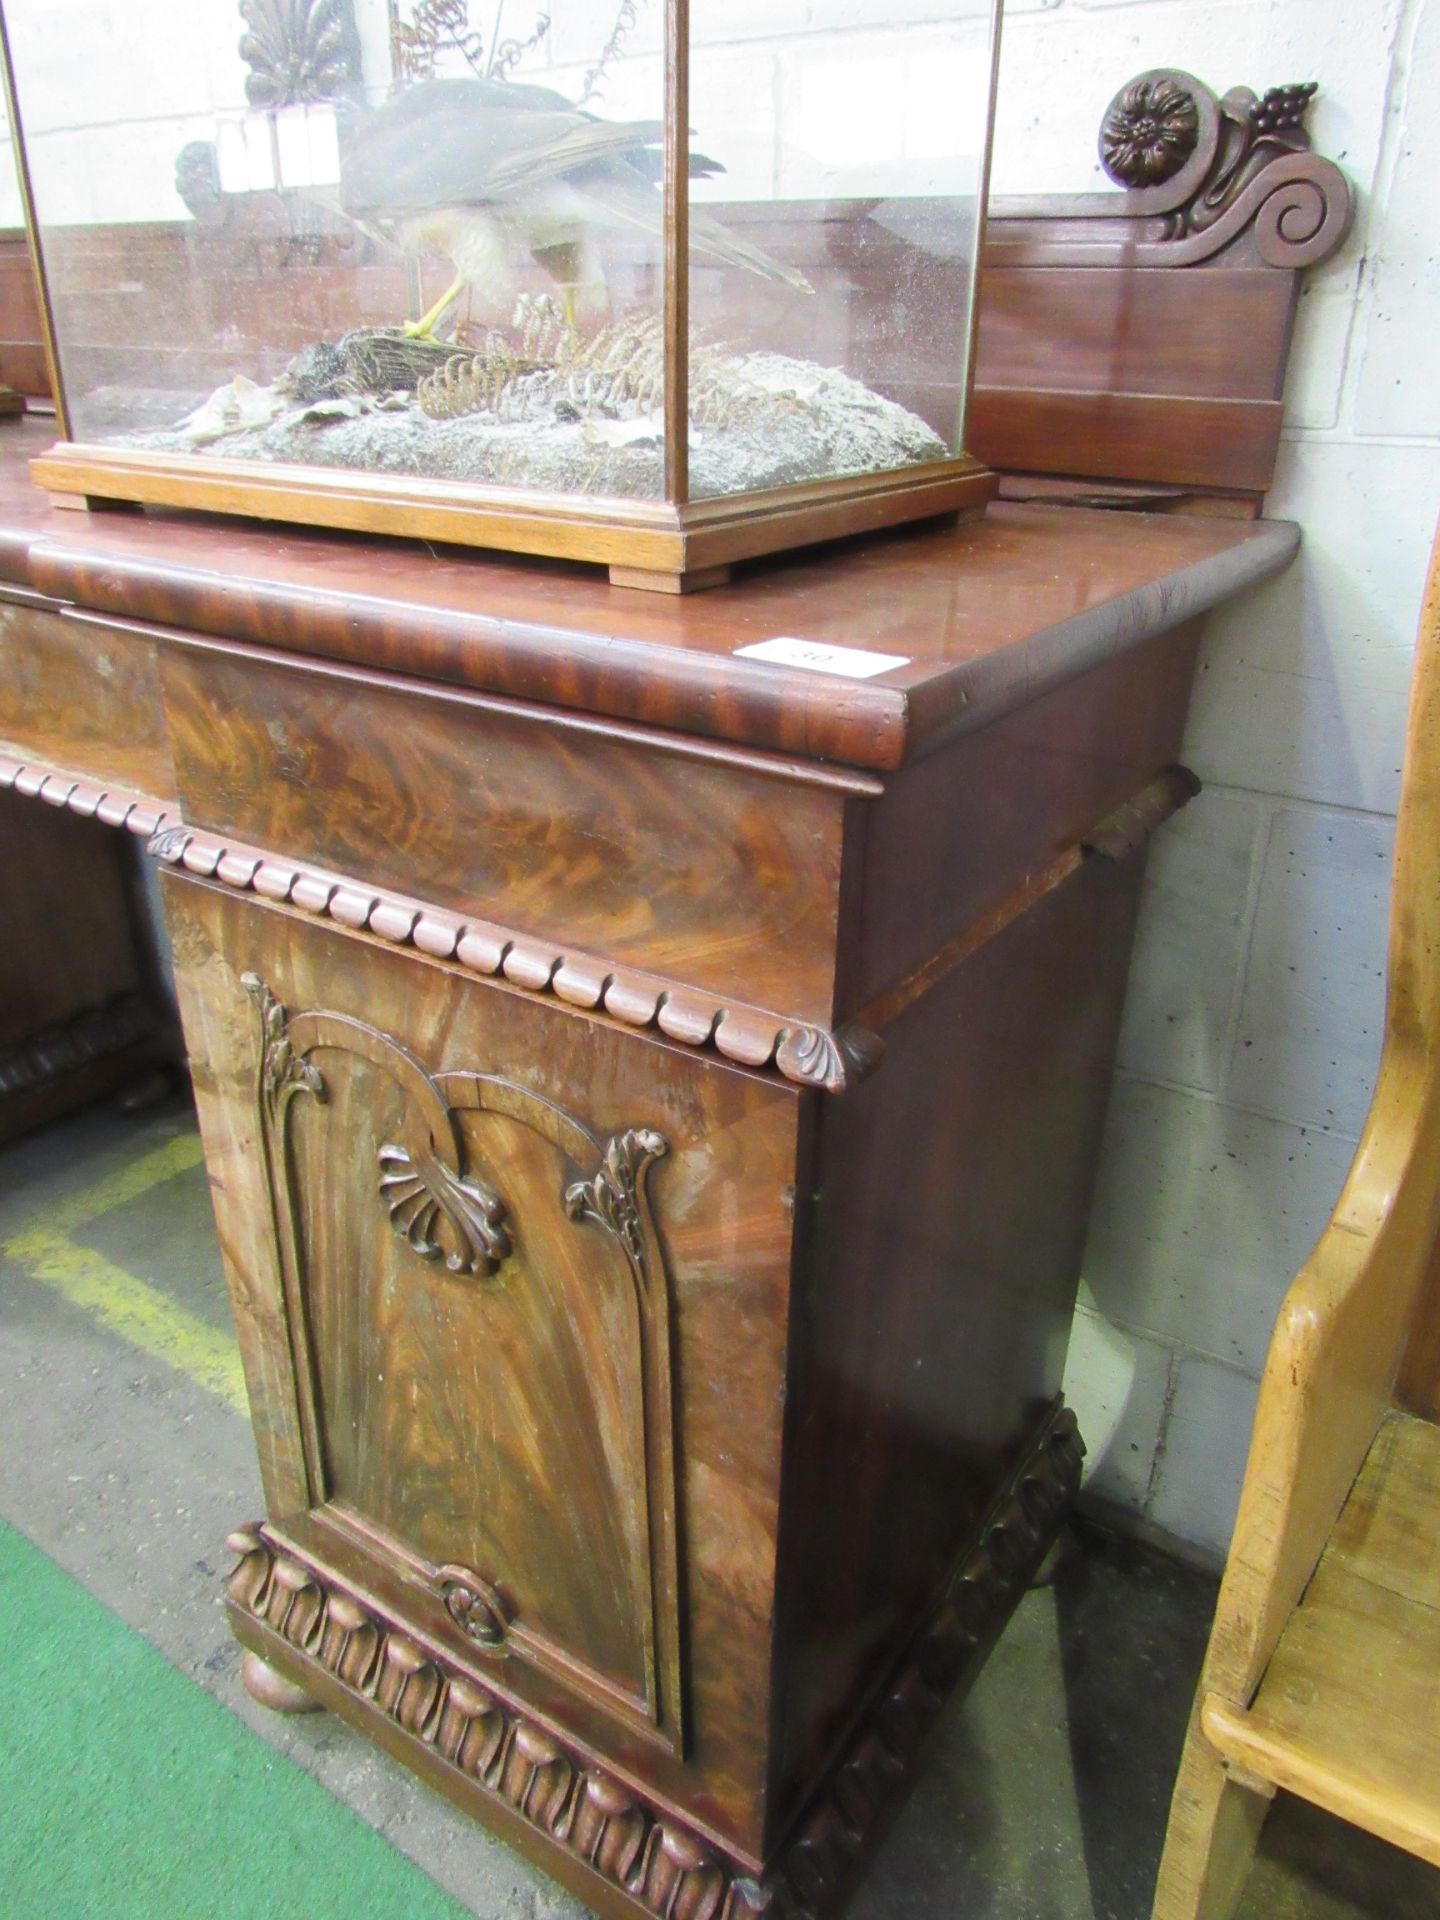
(577, 148)
(618, 197)
(464, 142)
(717, 242)
(470, 143)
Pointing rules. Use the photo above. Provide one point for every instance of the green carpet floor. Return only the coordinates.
(126, 1791)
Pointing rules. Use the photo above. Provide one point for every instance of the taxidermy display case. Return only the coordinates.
(553, 276)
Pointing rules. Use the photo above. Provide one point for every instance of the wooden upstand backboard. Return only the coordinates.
(651, 1090)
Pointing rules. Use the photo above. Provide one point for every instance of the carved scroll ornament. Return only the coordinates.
(1211, 167)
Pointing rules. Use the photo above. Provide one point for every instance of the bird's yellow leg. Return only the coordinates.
(424, 327)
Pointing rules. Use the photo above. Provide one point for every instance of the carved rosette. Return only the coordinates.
(478, 1609)
(1150, 130)
(666, 1869)
(439, 1215)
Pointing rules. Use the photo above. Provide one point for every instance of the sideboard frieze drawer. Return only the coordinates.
(715, 869)
(83, 700)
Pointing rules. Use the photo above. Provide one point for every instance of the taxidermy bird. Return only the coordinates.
(483, 171)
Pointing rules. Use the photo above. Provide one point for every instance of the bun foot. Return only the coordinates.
(273, 1690)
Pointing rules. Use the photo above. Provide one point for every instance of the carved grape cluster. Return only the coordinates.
(1282, 110)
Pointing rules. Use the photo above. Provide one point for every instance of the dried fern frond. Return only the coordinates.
(618, 374)
(482, 382)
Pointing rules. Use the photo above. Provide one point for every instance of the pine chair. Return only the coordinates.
(1322, 1675)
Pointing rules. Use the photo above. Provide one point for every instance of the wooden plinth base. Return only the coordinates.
(659, 545)
(628, 1859)
(695, 581)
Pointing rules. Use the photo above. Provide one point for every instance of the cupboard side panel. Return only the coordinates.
(930, 1328)
(956, 832)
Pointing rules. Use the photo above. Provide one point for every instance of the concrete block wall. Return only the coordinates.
(1253, 1019)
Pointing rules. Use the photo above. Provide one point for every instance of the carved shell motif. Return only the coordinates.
(439, 1214)
(298, 51)
(1149, 133)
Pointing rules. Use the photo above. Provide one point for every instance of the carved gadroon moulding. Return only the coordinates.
(1212, 166)
(811, 1056)
(304, 1620)
(50, 1053)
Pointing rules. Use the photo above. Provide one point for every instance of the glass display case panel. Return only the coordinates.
(609, 279)
(836, 191)
(365, 237)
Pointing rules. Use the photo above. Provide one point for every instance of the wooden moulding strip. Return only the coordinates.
(139, 812)
(1114, 838)
(810, 1056)
(641, 536)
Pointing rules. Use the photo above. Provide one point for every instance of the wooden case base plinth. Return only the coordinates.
(650, 544)
(589, 1829)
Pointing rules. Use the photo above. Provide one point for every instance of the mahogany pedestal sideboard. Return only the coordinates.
(651, 1097)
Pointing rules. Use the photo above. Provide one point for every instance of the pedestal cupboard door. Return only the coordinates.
(477, 1312)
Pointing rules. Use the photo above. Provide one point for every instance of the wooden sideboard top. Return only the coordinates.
(986, 614)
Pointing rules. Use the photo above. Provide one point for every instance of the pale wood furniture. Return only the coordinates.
(1323, 1672)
